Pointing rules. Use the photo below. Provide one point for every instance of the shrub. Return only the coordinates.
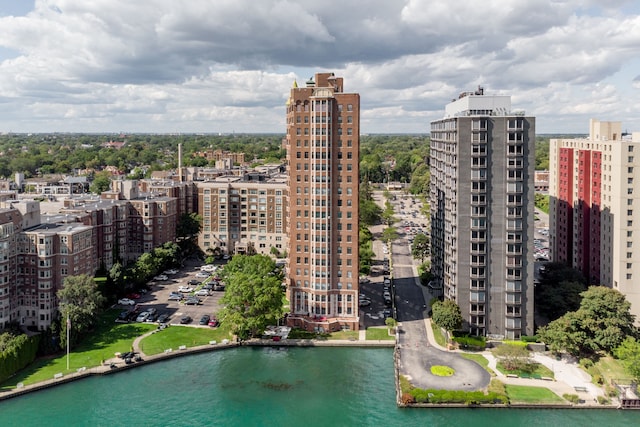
(597, 379)
(442, 371)
(407, 399)
(17, 352)
(603, 400)
(465, 341)
(529, 338)
(573, 398)
(496, 386)
(586, 363)
(611, 391)
(516, 343)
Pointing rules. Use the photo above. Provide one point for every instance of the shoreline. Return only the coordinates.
(106, 369)
(214, 346)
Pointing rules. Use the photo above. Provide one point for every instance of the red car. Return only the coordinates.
(213, 322)
(133, 296)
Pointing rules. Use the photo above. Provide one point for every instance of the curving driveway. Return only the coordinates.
(417, 353)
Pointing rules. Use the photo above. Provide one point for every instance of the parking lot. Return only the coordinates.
(158, 297)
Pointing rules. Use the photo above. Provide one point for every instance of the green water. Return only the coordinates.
(265, 387)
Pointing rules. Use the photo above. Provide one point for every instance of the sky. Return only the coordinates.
(223, 66)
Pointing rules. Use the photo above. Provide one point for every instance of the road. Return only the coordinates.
(417, 355)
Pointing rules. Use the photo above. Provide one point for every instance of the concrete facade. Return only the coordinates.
(594, 189)
(482, 207)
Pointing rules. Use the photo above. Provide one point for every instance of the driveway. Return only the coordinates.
(417, 353)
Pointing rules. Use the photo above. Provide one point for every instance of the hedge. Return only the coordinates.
(18, 353)
(456, 396)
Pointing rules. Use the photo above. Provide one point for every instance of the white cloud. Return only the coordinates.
(201, 65)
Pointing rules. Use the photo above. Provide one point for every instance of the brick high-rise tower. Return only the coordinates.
(323, 143)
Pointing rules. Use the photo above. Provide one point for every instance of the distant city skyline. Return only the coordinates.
(224, 67)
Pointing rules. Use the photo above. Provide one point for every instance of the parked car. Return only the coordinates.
(123, 317)
(204, 320)
(386, 313)
(202, 293)
(163, 318)
(133, 295)
(193, 282)
(161, 278)
(218, 287)
(151, 317)
(203, 275)
(208, 286)
(152, 310)
(185, 289)
(364, 302)
(171, 271)
(185, 319)
(192, 301)
(126, 301)
(213, 322)
(175, 297)
(142, 317)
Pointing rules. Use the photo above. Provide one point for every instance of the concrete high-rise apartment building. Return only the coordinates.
(323, 143)
(482, 209)
(594, 189)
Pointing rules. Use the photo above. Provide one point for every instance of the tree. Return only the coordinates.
(389, 234)
(601, 323)
(421, 247)
(370, 212)
(101, 182)
(559, 290)
(387, 214)
(80, 302)
(513, 357)
(629, 354)
(189, 226)
(253, 295)
(447, 315)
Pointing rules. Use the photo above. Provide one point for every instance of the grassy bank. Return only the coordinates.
(102, 344)
(175, 336)
(381, 333)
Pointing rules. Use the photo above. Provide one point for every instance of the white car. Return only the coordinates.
(202, 293)
(203, 274)
(126, 301)
(185, 289)
(171, 271)
(161, 278)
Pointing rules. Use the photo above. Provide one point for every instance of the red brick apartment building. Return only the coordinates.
(322, 143)
(594, 189)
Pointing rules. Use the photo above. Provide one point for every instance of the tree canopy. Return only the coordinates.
(447, 315)
(629, 354)
(559, 290)
(253, 295)
(601, 323)
(421, 247)
(80, 302)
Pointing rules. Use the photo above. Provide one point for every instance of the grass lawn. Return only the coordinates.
(175, 336)
(610, 369)
(541, 371)
(480, 360)
(102, 344)
(437, 333)
(527, 394)
(379, 334)
(343, 335)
